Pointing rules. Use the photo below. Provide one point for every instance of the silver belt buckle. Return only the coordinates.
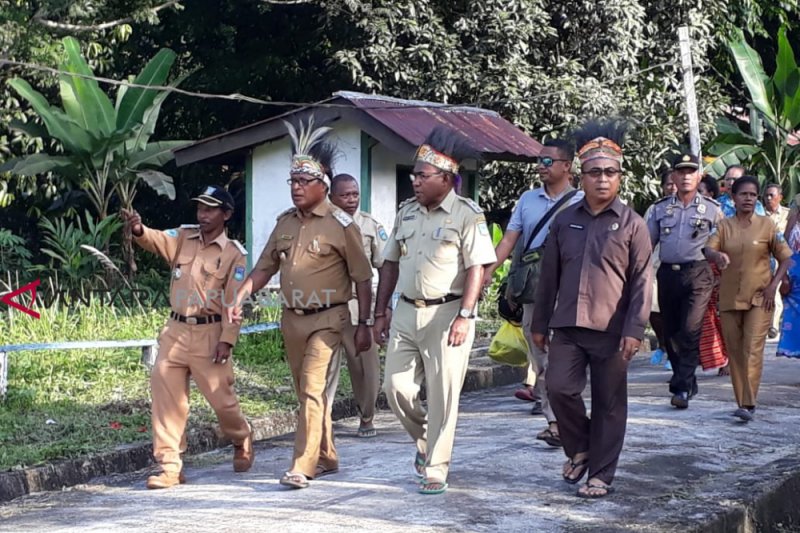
(419, 303)
(298, 312)
(676, 267)
(192, 321)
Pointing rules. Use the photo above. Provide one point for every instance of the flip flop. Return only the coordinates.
(607, 488)
(294, 480)
(554, 440)
(321, 472)
(584, 465)
(419, 465)
(428, 482)
(366, 432)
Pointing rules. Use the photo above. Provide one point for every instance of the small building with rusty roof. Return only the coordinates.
(377, 137)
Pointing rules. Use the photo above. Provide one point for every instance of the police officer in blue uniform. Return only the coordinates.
(682, 223)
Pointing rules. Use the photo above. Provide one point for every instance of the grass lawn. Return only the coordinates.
(64, 404)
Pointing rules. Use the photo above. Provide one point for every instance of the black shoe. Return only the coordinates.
(537, 408)
(743, 414)
(680, 400)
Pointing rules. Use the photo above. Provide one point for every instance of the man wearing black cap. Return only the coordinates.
(207, 270)
(681, 224)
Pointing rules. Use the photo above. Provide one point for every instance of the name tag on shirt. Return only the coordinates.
(576, 226)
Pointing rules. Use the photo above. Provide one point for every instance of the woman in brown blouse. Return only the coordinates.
(742, 247)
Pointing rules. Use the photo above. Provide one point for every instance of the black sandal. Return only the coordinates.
(589, 496)
(583, 465)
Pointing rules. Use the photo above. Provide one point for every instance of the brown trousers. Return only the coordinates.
(571, 351)
(186, 350)
(311, 341)
(745, 333)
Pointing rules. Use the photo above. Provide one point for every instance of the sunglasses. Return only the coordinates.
(547, 162)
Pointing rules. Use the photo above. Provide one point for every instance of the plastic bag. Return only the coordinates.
(509, 346)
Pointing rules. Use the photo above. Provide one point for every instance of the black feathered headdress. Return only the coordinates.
(600, 138)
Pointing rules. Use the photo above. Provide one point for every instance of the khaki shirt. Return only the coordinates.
(780, 217)
(596, 272)
(435, 248)
(749, 249)
(373, 236)
(318, 257)
(205, 276)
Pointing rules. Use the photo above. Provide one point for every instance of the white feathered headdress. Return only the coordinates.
(312, 155)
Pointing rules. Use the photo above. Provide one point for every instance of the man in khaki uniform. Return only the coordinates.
(365, 367)
(773, 196)
(317, 249)
(207, 269)
(436, 256)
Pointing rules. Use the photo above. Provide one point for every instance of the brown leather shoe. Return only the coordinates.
(166, 480)
(243, 454)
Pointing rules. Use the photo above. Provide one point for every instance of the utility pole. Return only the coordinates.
(688, 89)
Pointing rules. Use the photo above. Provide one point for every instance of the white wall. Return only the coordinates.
(384, 187)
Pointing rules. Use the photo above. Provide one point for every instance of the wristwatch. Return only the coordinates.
(465, 313)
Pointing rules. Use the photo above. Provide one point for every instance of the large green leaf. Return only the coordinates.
(787, 82)
(136, 100)
(39, 164)
(150, 118)
(730, 154)
(155, 154)
(82, 97)
(752, 72)
(31, 129)
(59, 125)
(160, 182)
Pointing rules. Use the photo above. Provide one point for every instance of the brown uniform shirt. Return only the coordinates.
(749, 249)
(318, 257)
(435, 248)
(596, 272)
(205, 276)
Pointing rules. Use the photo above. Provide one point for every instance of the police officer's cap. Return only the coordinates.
(686, 160)
(215, 197)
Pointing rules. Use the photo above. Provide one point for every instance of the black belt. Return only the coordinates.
(427, 303)
(684, 266)
(304, 312)
(195, 320)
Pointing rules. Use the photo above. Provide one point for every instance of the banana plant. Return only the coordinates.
(766, 141)
(106, 148)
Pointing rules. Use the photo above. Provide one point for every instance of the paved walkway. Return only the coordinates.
(678, 469)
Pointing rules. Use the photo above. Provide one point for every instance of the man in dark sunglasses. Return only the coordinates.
(555, 171)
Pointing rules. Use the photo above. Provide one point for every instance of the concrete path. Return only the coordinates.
(679, 471)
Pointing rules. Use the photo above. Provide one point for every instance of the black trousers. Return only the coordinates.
(571, 351)
(683, 298)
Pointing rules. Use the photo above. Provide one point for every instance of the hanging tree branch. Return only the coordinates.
(65, 26)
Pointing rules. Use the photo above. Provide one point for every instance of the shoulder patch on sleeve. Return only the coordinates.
(343, 218)
(471, 203)
(239, 246)
(287, 212)
(174, 232)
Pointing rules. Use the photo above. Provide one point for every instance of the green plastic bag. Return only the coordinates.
(509, 346)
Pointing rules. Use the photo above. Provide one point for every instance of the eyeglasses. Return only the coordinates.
(303, 182)
(608, 171)
(547, 162)
(422, 176)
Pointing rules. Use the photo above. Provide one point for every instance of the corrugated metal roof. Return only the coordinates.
(486, 131)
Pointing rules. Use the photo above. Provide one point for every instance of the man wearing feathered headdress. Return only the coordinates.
(594, 295)
(317, 249)
(435, 257)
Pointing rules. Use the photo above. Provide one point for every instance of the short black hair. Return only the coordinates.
(773, 186)
(744, 180)
(341, 178)
(565, 148)
(711, 185)
(734, 167)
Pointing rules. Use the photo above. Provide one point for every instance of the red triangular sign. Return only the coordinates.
(8, 298)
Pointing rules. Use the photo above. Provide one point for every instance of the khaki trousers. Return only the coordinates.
(364, 369)
(745, 333)
(311, 341)
(186, 350)
(418, 350)
(537, 365)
